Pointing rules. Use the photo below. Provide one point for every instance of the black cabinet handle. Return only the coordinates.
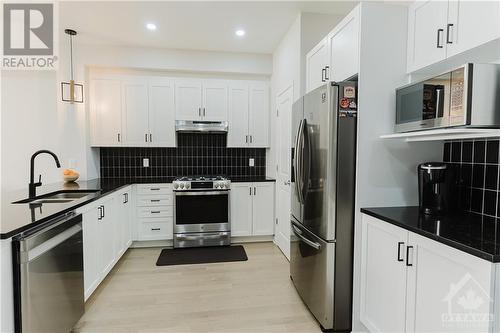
(399, 251)
(250, 190)
(408, 256)
(155, 200)
(254, 191)
(150, 137)
(155, 189)
(155, 229)
(155, 212)
(439, 32)
(327, 71)
(448, 34)
(146, 137)
(323, 74)
(118, 137)
(103, 211)
(99, 213)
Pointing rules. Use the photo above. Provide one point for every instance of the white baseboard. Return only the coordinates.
(251, 239)
(170, 243)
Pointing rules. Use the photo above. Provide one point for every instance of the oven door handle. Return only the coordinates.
(219, 235)
(223, 192)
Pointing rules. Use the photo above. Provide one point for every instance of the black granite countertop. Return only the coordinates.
(472, 233)
(16, 218)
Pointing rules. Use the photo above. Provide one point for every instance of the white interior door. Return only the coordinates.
(237, 135)
(284, 103)
(215, 103)
(135, 112)
(187, 99)
(161, 112)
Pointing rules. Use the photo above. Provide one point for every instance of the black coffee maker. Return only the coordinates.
(436, 182)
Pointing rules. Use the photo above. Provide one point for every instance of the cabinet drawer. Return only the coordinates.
(154, 200)
(156, 230)
(159, 211)
(154, 189)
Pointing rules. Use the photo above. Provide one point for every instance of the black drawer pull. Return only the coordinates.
(155, 229)
(155, 212)
(155, 189)
(155, 200)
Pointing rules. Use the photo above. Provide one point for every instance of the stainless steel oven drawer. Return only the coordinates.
(202, 239)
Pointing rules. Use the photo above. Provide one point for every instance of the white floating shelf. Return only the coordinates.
(445, 134)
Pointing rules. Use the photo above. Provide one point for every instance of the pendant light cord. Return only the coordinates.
(71, 55)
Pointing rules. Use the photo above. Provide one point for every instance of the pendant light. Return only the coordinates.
(70, 91)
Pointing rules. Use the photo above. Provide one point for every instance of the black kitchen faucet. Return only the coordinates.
(33, 185)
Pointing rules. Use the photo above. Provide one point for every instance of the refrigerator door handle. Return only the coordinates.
(299, 235)
(298, 161)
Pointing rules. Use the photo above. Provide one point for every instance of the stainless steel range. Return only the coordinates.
(202, 211)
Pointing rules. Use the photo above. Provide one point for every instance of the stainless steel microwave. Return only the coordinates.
(467, 96)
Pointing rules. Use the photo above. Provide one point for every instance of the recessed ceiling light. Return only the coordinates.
(151, 26)
(240, 33)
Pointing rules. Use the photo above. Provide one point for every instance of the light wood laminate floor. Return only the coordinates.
(251, 296)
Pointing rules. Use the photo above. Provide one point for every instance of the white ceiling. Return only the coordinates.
(190, 25)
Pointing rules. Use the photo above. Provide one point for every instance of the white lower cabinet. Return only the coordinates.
(410, 283)
(154, 212)
(252, 209)
(106, 236)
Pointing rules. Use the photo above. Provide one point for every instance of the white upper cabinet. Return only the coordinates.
(201, 100)
(259, 115)
(343, 44)
(215, 103)
(336, 57)
(135, 112)
(106, 112)
(471, 23)
(426, 32)
(249, 120)
(237, 135)
(188, 99)
(317, 65)
(161, 112)
(438, 30)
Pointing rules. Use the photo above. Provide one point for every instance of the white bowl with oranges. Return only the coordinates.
(70, 175)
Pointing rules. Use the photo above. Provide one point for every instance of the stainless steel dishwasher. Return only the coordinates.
(48, 276)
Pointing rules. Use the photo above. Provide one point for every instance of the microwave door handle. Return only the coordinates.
(439, 103)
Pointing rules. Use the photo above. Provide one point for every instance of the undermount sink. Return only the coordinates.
(63, 196)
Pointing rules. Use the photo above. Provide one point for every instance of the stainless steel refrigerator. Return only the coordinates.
(322, 209)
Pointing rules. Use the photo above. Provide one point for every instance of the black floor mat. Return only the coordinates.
(201, 255)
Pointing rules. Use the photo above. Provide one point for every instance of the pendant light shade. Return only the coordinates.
(70, 91)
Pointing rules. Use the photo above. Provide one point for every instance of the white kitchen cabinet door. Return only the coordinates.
(188, 100)
(444, 283)
(237, 135)
(215, 100)
(161, 113)
(343, 44)
(241, 209)
(426, 33)
(91, 256)
(135, 112)
(122, 223)
(383, 277)
(106, 112)
(316, 65)
(107, 236)
(263, 208)
(259, 116)
(470, 24)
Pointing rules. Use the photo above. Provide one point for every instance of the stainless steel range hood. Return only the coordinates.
(201, 126)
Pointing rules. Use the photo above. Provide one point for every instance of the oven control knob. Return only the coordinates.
(176, 186)
(181, 185)
(187, 186)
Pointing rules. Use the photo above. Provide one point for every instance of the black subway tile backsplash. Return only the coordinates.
(195, 154)
(479, 171)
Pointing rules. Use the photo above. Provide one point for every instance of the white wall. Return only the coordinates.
(33, 117)
(386, 171)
